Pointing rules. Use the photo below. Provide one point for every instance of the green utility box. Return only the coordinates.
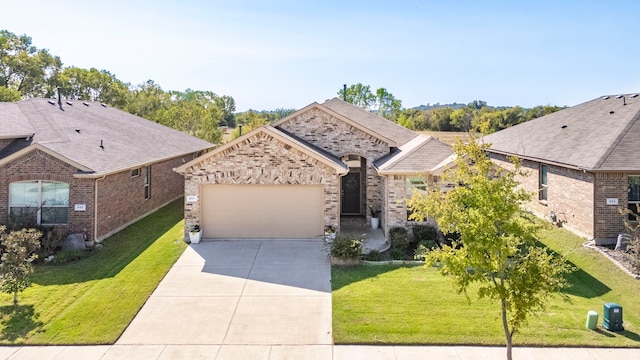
(592, 320)
(612, 317)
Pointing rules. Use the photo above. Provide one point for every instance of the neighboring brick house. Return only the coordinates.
(86, 167)
(308, 171)
(582, 162)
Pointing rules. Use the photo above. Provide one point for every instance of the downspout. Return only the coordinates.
(95, 208)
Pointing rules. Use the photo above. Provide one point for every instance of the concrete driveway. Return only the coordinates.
(240, 292)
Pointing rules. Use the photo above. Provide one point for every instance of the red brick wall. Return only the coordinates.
(121, 197)
(38, 165)
(570, 194)
(608, 222)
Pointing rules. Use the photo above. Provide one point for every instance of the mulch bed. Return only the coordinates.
(620, 258)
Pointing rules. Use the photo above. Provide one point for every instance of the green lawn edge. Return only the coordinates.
(92, 301)
(415, 305)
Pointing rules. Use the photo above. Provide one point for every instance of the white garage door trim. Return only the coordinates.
(262, 211)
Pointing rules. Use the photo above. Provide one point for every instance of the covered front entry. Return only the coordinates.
(353, 187)
(262, 211)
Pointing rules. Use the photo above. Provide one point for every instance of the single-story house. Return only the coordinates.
(308, 171)
(83, 166)
(582, 163)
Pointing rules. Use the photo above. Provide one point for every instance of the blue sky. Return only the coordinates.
(287, 54)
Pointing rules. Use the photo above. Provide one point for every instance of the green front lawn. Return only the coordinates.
(417, 305)
(93, 300)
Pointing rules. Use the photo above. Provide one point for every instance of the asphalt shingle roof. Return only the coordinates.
(600, 135)
(420, 155)
(76, 132)
(375, 123)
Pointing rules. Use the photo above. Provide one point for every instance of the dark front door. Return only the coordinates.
(351, 193)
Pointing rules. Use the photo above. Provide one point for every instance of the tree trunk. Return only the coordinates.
(15, 298)
(505, 326)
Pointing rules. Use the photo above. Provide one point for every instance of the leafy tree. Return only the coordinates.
(77, 83)
(249, 120)
(381, 102)
(25, 68)
(461, 119)
(228, 107)
(193, 117)
(147, 99)
(18, 253)
(359, 95)
(496, 248)
(387, 105)
(8, 95)
(440, 119)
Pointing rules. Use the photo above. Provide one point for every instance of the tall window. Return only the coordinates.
(634, 195)
(147, 182)
(542, 195)
(415, 184)
(39, 202)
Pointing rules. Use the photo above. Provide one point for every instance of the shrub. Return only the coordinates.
(373, 255)
(423, 249)
(17, 256)
(346, 246)
(425, 232)
(398, 238)
(66, 256)
(399, 241)
(49, 241)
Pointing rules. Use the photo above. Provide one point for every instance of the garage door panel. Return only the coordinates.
(262, 211)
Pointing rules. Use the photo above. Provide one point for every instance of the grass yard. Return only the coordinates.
(416, 305)
(92, 301)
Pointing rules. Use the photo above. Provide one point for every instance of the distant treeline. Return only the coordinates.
(469, 116)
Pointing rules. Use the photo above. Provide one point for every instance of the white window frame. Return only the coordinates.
(147, 182)
(135, 172)
(629, 200)
(543, 182)
(41, 203)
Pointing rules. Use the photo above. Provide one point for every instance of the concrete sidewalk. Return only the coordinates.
(306, 352)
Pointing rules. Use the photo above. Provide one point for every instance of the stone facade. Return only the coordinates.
(578, 198)
(120, 197)
(262, 159)
(341, 139)
(396, 205)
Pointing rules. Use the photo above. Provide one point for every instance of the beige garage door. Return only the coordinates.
(262, 211)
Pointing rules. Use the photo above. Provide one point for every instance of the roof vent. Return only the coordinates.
(624, 100)
(605, 98)
(78, 131)
(69, 103)
(611, 112)
(85, 104)
(51, 102)
(564, 126)
(103, 105)
(634, 96)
